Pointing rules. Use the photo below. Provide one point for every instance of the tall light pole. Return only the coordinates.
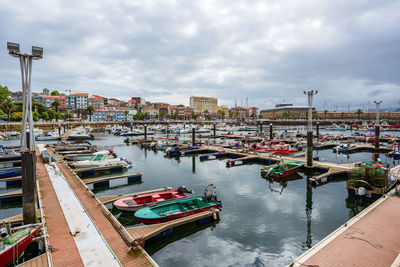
(309, 128)
(377, 126)
(28, 159)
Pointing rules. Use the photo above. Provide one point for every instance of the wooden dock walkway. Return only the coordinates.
(112, 231)
(143, 233)
(371, 238)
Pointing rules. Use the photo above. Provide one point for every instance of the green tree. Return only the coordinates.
(39, 107)
(175, 114)
(139, 116)
(325, 113)
(55, 105)
(359, 112)
(342, 115)
(161, 114)
(52, 114)
(8, 106)
(146, 116)
(4, 92)
(68, 115)
(90, 110)
(45, 116)
(17, 116)
(55, 93)
(222, 114)
(35, 115)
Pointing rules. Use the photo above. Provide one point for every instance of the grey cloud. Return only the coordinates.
(266, 51)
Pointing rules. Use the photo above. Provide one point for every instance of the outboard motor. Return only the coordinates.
(210, 193)
(182, 190)
(3, 233)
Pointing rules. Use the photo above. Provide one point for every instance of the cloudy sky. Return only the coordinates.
(168, 51)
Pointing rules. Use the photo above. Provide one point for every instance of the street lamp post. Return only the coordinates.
(377, 126)
(28, 159)
(309, 128)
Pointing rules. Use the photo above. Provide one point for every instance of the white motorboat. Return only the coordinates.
(109, 153)
(101, 161)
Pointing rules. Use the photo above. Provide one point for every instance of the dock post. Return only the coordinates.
(271, 135)
(377, 126)
(215, 129)
(145, 132)
(261, 129)
(351, 126)
(193, 136)
(317, 129)
(167, 130)
(310, 129)
(28, 166)
(59, 130)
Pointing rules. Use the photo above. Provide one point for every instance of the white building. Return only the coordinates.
(78, 101)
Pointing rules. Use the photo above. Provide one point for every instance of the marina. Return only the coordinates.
(315, 183)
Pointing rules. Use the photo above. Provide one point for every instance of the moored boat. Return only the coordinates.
(136, 202)
(14, 244)
(175, 209)
(100, 161)
(281, 170)
(178, 208)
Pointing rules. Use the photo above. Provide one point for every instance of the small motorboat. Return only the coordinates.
(287, 150)
(178, 208)
(100, 161)
(136, 202)
(14, 242)
(76, 157)
(48, 137)
(281, 170)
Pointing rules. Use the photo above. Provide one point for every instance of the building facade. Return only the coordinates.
(96, 102)
(49, 99)
(204, 105)
(285, 110)
(78, 101)
(153, 112)
(109, 114)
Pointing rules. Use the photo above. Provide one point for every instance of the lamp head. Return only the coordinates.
(13, 49)
(37, 52)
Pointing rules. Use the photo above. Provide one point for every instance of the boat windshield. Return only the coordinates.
(97, 157)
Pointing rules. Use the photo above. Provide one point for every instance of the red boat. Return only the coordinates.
(136, 202)
(12, 245)
(286, 149)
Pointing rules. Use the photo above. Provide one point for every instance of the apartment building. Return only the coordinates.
(78, 101)
(203, 105)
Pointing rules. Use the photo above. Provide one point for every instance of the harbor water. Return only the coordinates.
(262, 222)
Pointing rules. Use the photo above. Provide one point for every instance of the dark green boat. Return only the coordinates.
(175, 209)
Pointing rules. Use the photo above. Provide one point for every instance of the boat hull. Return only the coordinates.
(16, 250)
(177, 216)
(135, 203)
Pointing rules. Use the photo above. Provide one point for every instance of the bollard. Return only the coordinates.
(271, 136)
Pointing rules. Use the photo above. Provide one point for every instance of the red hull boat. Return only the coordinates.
(17, 242)
(136, 202)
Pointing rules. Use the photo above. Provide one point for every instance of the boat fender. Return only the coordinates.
(361, 191)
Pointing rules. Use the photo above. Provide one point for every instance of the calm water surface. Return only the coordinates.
(263, 223)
